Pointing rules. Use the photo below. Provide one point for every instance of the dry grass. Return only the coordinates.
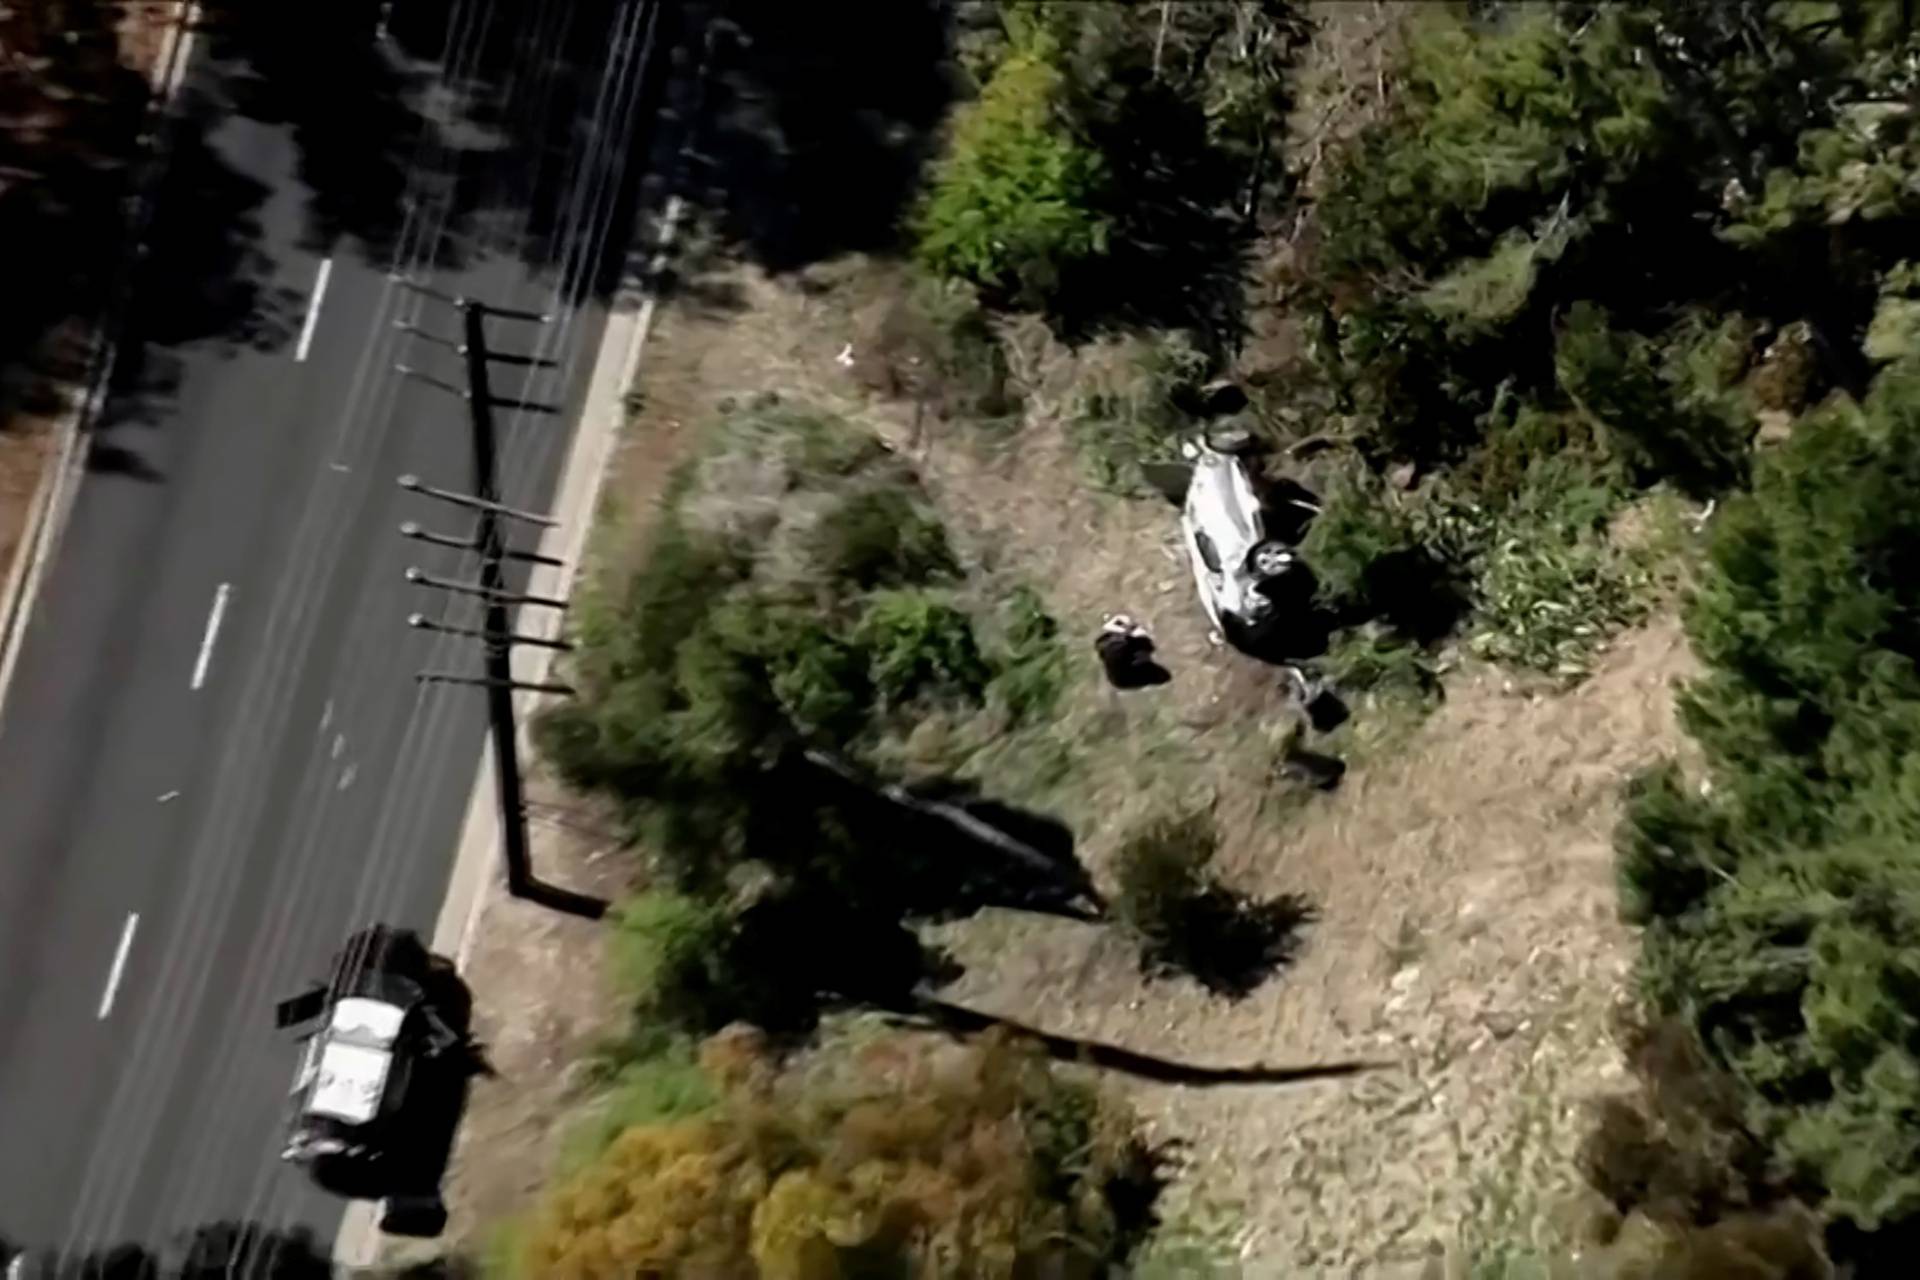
(543, 1002)
(26, 450)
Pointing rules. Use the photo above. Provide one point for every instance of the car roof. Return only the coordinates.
(350, 1081)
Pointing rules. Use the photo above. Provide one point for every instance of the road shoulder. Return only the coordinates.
(477, 904)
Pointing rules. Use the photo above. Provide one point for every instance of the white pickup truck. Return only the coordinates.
(371, 1027)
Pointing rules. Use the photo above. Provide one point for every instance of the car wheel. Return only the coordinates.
(1270, 559)
(419, 1217)
(1233, 440)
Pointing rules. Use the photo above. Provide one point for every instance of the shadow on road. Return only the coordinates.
(469, 130)
(216, 1251)
(71, 112)
(202, 277)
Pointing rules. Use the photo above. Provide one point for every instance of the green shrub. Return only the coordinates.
(627, 637)
(1783, 905)
(908, 1158)
(750, 633)
(1526, 446)
(1663, 429)
(1673, 850)
(1373, 659)
(934, 344)
(1161, 867)
(1782, 1242)
(813, 447)
(881, 537)
(818, 678)
(1359, 527)
(1490, 122)
(1012, 204)
(656, 1078)
(1187, 921)
(1894, 333)
(1395, 560)
(918, 645)
(670, 957)
(1548, 592)
(1033, 672)
(1127, 407)
(1675, 1150)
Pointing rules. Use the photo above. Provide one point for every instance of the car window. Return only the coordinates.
(1209, 554)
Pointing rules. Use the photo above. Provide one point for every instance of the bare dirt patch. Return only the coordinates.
(26, 448)
(542, 1003)
(1467, 941)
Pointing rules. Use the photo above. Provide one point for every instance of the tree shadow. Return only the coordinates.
(353, 106)
(940, 850)
(216, 1251)
(1415, 594)
(959, 1020)
(72, 113)
(801, 953)
(520, 156)
(816, 131)
(201, 274)
(108, 459)
(1179, 253)
(229, 1249)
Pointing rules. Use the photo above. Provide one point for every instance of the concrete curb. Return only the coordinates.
(477, 877)
(53, 495)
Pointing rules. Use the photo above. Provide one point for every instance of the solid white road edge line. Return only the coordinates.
(313, 310)
(213, 630)
(119, 964)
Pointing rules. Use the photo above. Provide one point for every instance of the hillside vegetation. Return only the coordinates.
(1607, 309)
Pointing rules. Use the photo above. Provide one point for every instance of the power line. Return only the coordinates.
(496, 633)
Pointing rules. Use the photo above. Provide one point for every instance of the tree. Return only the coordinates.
(1782, 904)
(906, 1157)
(1013, 204)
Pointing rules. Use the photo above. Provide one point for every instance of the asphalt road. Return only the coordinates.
(215, 760)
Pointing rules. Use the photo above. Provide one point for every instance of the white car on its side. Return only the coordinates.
(1241, 565)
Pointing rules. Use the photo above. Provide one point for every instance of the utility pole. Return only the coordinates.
(495, 633)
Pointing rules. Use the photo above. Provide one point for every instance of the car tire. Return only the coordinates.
(417, 1217)
(1238, 441)
(1270, 559)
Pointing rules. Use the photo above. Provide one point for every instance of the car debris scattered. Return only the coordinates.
(1126, 653)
